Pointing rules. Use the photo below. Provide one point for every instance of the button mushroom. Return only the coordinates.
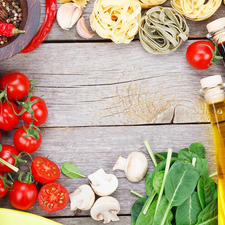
(105, 208)
(102, 183)
(82, 198)
(135, 166)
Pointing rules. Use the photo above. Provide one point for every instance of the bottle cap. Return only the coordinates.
(211, 81)
(216, 25)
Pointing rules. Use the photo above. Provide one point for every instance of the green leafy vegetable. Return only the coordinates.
(71, 170)
(163, 155)
(158, 180)
(198, 149)
(207, 190)
(136, 208)
(187, 213)
(209, 214)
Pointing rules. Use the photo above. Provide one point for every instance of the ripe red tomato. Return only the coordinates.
(40, 112)
(44, 170)
(3, 191)
(199, 54)
(28, 144)
(53, 197)
(8, 119)
(18, 85)
(5, 154)
(23, 195)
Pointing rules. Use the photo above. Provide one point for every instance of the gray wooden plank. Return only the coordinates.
(92, 148)
(197, 29)
(124, 220)
(107, 84)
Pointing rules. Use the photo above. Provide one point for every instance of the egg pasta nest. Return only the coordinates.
(196, 10)
(117, 20)
(150, 3)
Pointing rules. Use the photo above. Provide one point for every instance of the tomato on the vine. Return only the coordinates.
(53, 197)
(201, 54)
(8, 118)
(27, 138)
(3, 189)
(23, 195)
(6, 154)
(44, 170)
(18, 85)
(34, 109)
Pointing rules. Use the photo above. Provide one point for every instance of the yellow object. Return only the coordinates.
(15, 217)
(196, 9)
(116, 19)
(145, 4)
(81, 3)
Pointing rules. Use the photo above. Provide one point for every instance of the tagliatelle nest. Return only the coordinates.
(145, 4)
(196, 10)
(162, 30)
(81, 3)
(116, 19)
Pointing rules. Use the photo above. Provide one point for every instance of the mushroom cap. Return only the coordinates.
(82, 198)
(136, 166)
(105, 208)
(102, 183)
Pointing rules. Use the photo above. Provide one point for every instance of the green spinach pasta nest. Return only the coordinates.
(162, 30)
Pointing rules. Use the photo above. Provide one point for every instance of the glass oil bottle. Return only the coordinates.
(213, 90)
(216, 33)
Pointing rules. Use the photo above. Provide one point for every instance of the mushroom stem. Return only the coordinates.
(120, 164)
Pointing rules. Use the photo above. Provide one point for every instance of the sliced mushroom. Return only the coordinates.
(105, 208)
(135, 166)
(102, 183)
(82, 198)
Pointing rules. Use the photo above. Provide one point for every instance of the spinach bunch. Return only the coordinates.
(179, 190)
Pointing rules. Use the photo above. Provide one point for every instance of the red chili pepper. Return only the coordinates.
(50, 14)
(8, 30)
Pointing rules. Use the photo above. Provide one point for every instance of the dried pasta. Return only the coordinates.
(196, 10)
(81, 3)
(117, 20)
(151, 3)
(162, 30)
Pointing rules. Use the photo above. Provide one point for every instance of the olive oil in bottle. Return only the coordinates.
(212, 88)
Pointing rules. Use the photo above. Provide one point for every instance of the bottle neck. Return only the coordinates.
(214, 94)
(217, 36)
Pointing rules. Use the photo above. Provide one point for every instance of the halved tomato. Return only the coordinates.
(44, 170)
(53, 197)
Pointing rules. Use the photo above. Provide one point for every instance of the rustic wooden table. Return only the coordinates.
(106, 99)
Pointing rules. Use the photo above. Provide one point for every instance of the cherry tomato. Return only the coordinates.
(23, 195)
(44, 170)
(5, 154)
(199, 54)
(40, 112)
(28, 144)
(3, 191)
(53, 197)
(8, 119)
(18, 85)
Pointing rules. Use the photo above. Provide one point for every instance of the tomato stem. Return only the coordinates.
(15, 169)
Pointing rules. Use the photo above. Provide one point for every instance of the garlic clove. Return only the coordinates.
(68, 14)
(82, 29)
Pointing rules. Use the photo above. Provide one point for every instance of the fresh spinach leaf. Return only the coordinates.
(136, 208)
(158, 180)
(180, 182)
(163, 155)
(71, 170)
(209, 215)
(187, 213)
(198, 149)
(207, 190)
(149, 185)
(185, 154)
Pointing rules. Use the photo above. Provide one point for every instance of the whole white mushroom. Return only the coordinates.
(135, 166)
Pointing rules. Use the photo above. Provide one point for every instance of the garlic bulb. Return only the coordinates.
(68, 14)
(82, 29)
